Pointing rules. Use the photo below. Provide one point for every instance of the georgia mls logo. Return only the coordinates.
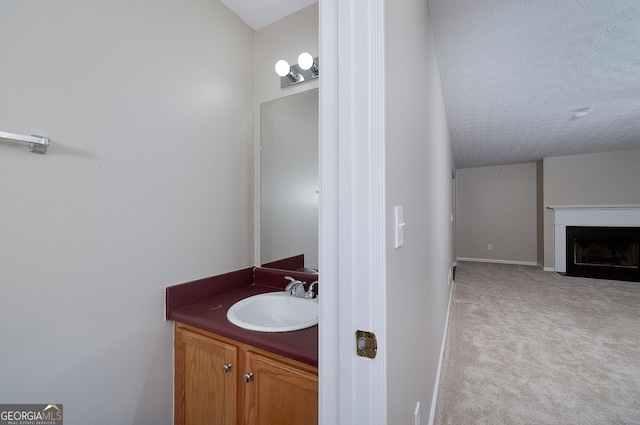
(30, 414)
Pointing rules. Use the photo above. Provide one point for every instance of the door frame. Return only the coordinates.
(352, 211)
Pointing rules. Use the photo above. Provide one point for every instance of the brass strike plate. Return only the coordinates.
(366, 344)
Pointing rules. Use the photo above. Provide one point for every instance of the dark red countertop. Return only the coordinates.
(210, 314)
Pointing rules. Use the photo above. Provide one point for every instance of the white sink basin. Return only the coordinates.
(274, 312)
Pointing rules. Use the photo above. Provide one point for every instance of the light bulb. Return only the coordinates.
(305, 60)
(282, 68)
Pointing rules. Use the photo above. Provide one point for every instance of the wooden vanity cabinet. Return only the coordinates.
(280, 392)
(204, 393)
(259, 388)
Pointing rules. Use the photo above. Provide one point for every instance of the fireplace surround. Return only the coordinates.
(626, 218)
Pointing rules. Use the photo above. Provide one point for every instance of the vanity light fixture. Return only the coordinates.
(284, 70)
(307, 69)
(579, 113)
(306, 62)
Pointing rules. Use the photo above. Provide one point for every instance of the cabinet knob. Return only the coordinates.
(247, 377)
(226, 367)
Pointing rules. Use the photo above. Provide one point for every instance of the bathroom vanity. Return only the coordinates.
(225, 374)
(222, 381)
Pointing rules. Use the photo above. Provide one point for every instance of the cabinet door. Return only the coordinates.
(280, 393)
(204, 393)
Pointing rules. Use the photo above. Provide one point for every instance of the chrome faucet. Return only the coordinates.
(310, 294)
(295, 288)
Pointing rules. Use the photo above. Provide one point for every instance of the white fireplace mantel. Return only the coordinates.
(588, 215)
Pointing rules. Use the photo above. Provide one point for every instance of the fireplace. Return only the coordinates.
(589, 247)
(603, 252)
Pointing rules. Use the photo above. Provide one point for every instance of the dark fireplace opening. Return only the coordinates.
(608, 254)
(604, 252)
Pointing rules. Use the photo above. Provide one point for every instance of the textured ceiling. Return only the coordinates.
(260, 13)
(526, 79)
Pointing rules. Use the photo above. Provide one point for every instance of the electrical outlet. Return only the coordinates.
(489, 247)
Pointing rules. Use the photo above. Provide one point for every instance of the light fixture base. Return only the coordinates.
(303, 75)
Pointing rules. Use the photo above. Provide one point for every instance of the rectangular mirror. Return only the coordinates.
(289, 178)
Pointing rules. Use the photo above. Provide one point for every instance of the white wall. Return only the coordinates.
(418, 178)
(591, 179)
(284, 39)
(540, 213)
(148, 183)
(497, 206)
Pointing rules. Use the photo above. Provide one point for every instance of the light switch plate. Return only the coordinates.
(399, 227)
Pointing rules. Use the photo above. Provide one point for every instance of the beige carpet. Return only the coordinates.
(531, 347)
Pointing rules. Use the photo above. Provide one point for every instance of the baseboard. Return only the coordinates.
(549, 269)
(432, 413)
(492, 260)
